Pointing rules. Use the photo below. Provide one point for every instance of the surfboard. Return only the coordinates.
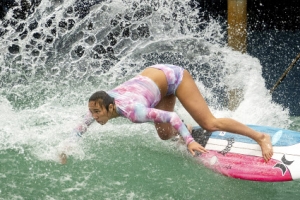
(240, 157)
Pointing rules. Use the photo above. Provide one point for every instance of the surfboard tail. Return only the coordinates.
(246, 167)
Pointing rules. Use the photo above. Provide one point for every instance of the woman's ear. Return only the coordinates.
(111, 108)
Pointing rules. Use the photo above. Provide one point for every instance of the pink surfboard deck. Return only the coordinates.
(240, 157)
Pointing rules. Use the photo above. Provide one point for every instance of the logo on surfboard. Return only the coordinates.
(283, 165)
(228, 147)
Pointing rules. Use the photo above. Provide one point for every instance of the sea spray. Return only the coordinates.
(61, 52)
(55, 54)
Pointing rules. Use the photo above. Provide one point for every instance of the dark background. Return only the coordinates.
(273, 38)
(262, 14)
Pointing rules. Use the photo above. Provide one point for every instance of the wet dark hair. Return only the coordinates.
(102, 98)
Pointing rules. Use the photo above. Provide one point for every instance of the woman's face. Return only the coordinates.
(99, 113)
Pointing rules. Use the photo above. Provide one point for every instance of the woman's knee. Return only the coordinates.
(210, 125)
(164, 136)
(165, 131)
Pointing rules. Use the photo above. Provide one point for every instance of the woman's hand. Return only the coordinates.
(195, 146)
(63, 158)
(67, 147)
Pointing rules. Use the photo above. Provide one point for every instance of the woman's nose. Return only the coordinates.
(95, 116)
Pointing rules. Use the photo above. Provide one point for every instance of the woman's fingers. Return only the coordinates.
(63, 158)
(195, 146)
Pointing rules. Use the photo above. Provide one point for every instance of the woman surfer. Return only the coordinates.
(151, 96)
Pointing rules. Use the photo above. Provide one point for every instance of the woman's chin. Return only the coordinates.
(102, 123)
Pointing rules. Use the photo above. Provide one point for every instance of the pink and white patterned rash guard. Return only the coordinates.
(136, 99)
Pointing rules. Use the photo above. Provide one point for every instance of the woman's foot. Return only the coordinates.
(266, 146)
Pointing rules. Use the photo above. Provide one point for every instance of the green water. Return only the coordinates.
(126, 166)
(44, 89)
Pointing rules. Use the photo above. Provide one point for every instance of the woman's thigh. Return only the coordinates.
(165, 130)
(192, 100)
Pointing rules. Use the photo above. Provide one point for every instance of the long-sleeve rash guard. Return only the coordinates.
(136, 99)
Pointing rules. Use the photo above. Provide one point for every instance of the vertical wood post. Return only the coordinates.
(237, 39)
(237, 24)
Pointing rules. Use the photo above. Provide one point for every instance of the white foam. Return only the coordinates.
(54, 93)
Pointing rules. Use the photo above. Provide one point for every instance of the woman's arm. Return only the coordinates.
(84, 123)
(67, 146)
(157, 115)
(144, 114)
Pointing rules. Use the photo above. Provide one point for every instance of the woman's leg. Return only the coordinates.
(192, 100)
(166, 130)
